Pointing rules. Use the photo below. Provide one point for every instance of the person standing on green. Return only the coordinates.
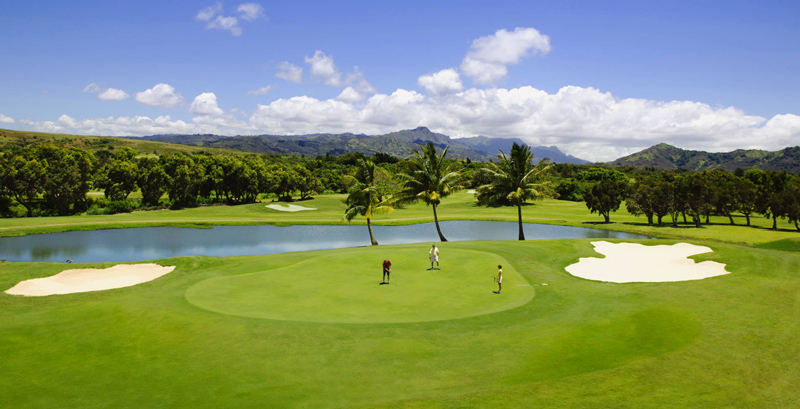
(434, 256)
(387, 270)
(499, 278)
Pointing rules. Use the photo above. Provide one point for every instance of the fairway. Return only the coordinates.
(343, 286)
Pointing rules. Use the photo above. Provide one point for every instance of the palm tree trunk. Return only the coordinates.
(519, 217)
(436, 220)
(371, 236)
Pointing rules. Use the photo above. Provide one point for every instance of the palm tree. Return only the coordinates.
(515, 180)
(428, 178)
(364, 198)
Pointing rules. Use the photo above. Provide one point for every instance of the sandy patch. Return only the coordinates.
(637, 263)
(90, 279)
(289, 208)
(472, 191)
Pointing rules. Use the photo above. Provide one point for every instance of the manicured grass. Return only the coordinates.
(340, 288)
(729, 341)
(461, 205)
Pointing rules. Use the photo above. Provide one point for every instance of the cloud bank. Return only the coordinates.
(584, 122)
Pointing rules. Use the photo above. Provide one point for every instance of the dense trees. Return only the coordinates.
(515, 180)
(428, 178)
(46, 180)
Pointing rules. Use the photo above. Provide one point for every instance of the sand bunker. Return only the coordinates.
(90, 279)
(472, 191)
(637, 263)
(289, 208)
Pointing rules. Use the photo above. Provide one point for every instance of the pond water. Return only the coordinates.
(162, 242)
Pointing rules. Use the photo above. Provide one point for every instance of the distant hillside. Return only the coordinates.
(492, 145)
(9, 138)
(664, 157)
(400, 144)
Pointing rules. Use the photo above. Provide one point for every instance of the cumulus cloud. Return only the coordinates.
(290, 72)
(488, 57)
(322, 66)
(106, 94)
(443, 82)
(113, 94)
(205, 104)
(161, 95)
(261, 91)
(6, 119)
(250, 11)
(584, 122)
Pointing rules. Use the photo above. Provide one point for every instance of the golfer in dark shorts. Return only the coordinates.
(387, 269)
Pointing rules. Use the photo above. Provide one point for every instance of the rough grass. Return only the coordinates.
(728, 341)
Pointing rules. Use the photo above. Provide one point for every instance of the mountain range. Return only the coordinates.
(665, 157)
(400, 144)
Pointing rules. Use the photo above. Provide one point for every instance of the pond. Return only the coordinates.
(150, 243)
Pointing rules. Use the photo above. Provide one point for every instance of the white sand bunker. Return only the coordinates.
(289, 208)
(637, 263)
(90, 279)
(472, 191)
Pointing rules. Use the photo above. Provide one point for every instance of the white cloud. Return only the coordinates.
(584, 122)
(209, 12)
(488, 57)
(92, 87)
(205, 104)
(250, 11)
(161, 95)
(226, 23)
(443, 82)
(322, 66)
(349, 94)
(261, 91)
(6, 119)
(106, 94)
(290, 72)
(113, 94)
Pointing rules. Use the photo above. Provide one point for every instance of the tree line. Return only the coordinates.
(46, 179)
(698, 195)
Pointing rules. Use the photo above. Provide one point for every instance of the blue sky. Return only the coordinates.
(597, 79)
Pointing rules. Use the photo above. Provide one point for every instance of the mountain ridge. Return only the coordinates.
(398, 143)
(667, 157)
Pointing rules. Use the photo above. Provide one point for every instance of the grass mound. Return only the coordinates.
(782, 245)
(345, 286)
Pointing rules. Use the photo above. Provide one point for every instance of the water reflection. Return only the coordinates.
(162, 242)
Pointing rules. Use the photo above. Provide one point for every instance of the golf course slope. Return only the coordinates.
(345, 286)
(287, 336)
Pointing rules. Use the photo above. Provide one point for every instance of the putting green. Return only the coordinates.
(343, 286)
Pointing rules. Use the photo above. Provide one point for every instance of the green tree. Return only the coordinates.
(363, 198)
(791, 199)
(185, 177)
(604, 197)
(428, 178)
(642, 198)
(515, 180)
(745, 196)
(152, 180)
(26, 177)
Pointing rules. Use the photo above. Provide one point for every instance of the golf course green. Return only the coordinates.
(341, 286)
(317, 330)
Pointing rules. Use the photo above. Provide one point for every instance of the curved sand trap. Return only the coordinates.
(289, 208)
(637, 263)
(90, 279)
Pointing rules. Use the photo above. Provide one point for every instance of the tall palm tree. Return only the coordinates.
(428, 178)
(364, 198)
(515, 180)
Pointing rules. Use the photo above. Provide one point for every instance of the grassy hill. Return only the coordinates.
(9, 138)
(665, 157)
